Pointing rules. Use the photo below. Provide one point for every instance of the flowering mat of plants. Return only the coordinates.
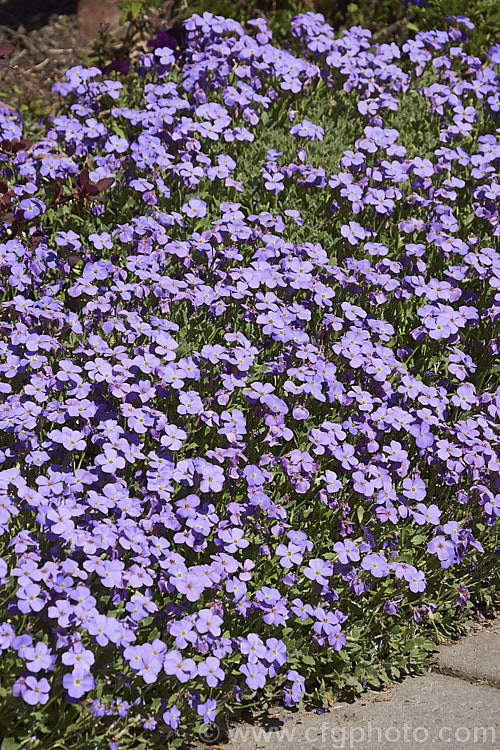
(249, 376)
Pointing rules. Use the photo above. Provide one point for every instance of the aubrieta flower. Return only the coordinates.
(77, 683)
(255, 675)
(207, 710)
(248, 389)
(376, 564)
(36, 691)
(171, 717)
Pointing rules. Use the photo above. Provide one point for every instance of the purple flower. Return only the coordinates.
(254, 476)
(347, 551)
(276, 654)
(353, 232)
(414, 489)
(100, 629)
(212, 478)
(173, 437)
(237, 588)
(255, 675)
(207, 710)
(376, 564)
(443, 548)
(417, 581)
(298, 684)
(149, 723)
(172, 716)
(273, 182)
(78, 658)
(22, 643)
(424, 514)
(211, 671)
(39, 657)
(307, 129)
(208, 622)
(28, 599)
(174, 664)
(465, 397)
(36, 691)
(422, 167)
(77, 683)
(31, 208)
(290, 555)
(193, 392)
(253, 647)
(195, 208)
(149, 665)
(318, 570)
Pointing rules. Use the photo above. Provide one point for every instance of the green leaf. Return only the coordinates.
(352, 681)
(418, 539)
(308, 659)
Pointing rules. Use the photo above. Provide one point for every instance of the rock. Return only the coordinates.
(476, 657)
(92, 14)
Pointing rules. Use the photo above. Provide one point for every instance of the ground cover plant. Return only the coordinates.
(389, 20)
(249, 376)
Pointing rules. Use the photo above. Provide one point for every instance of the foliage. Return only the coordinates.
(485, 14)
(278, 13)
(375, 15)
(249, 377)
(390, 19)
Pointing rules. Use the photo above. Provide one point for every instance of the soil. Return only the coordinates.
(47, 40)
(46, 43)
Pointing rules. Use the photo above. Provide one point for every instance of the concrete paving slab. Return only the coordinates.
(476, 657)
(431, 712)
(457, 708)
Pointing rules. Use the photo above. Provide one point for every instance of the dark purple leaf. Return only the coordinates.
(6, 49)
